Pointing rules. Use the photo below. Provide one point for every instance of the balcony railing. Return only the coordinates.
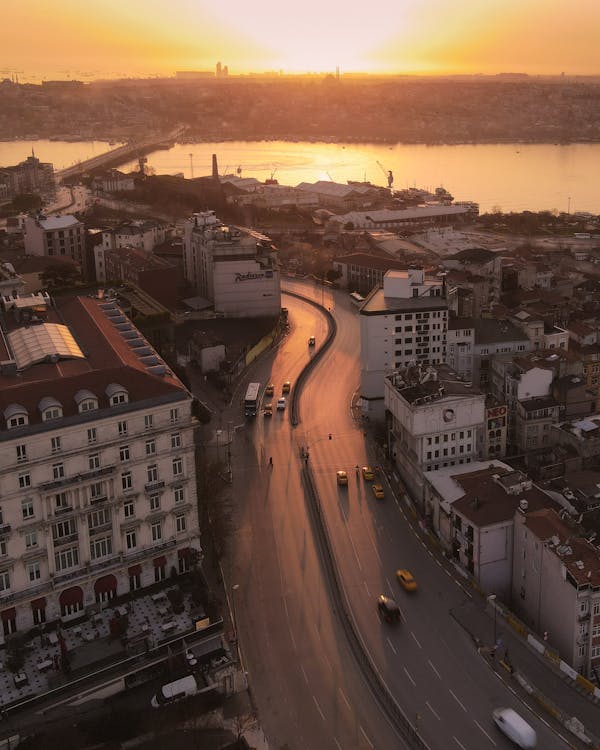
(151, 486)
(77, 478)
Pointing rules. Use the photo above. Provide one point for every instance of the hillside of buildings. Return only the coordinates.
(409, 110)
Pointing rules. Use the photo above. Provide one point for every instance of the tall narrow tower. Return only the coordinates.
(215, 168)
(218, 70)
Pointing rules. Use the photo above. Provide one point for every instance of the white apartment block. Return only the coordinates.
(402, 323)
(56, 236)
(138, 233)
(556, 587)
(97, 472)
(472, 510)
(434, 421)
(235, 269)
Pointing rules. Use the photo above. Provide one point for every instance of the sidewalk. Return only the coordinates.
(515, 659)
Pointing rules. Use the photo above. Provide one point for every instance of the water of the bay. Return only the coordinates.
(511, 177)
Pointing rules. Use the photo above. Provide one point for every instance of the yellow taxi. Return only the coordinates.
(286, 387)
(270, 390)
(406, 580)
(378, 491)
(367, 473)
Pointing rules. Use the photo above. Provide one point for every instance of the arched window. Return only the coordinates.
(50, 408)
(15, 416)
(116, 394)
(86, 401)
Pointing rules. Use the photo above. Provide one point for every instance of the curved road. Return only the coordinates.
(308, 688)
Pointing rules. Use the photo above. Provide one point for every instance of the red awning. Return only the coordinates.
(8, 614)
(39, 603)
(105, 584)
(186, 553)
(160, 561)
(71, 596)
(134, 570)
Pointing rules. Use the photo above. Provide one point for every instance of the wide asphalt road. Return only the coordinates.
(307, 686)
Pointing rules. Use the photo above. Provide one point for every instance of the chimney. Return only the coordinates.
(215, 168)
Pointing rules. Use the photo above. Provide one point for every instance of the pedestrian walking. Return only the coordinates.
(270, 460)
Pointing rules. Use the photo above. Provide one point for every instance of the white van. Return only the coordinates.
(515, 728)
(175, 691)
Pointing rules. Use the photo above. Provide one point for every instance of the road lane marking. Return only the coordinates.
(287, 614)
(432, 711)
(337, 743)
(483, 730)
(293, 640)
(459, 703)
(306, 678)
(319, 708)
(435, 670)
(345, 699)
(367, 589)
(328, 662)
(354, 550)
(414, 684)
(364, 734)
(390, 587)
(460, 744)
(392, 646)
(416, 641)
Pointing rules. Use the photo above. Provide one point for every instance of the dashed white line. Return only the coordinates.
(306, 678)
(483, 730)
(432, 711)
(416, 641)
(435, 670)
(287, 614)
(345, 699)
(293, 640)
(391, 646)
(390, 587)
(414, 684)
(459, 703)
(354, 550)
(364, 734)
(337, 743)
(367, 588)
(460, 744)
(319, 708)
(328, 662)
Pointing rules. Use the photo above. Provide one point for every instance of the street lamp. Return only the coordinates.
(234, 588)
(219, 433)
(492, 601)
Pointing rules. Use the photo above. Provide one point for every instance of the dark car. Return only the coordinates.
(388, 609)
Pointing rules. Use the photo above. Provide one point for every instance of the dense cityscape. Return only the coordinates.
(295, 466)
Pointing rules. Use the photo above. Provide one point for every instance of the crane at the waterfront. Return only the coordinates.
(389, 175)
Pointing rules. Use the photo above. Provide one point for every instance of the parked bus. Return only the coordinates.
(356, 299)
(251, 400)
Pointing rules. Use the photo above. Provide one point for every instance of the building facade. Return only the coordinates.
(433, 421)
(403, 323)
(55, 236)
(97, 470)
(556, 587)
(235, 269)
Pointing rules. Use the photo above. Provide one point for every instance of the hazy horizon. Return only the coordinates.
(145, 38)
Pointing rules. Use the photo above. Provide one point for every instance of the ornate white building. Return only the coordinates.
(97, 471)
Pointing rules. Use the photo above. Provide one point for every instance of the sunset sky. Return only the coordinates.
(46, 39)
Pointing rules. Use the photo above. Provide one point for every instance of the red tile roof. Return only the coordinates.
(108, 359)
